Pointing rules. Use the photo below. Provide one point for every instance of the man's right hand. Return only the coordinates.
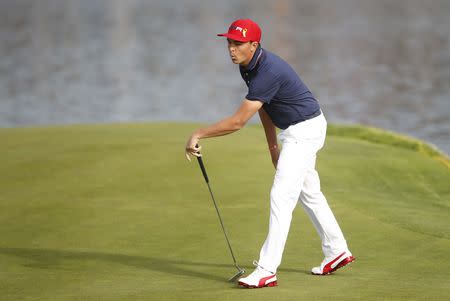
(192, 148)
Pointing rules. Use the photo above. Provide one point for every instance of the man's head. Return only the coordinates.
(243, 38)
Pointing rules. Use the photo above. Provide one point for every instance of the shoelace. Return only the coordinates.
(256, 264)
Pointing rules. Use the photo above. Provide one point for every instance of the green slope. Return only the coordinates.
(115, 212)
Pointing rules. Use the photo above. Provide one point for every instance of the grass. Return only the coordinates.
(115, 212)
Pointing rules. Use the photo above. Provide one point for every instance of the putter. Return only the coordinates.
(240, 270)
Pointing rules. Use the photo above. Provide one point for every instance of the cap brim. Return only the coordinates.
(233, 37)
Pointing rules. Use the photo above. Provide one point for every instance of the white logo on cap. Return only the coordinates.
(242, 30)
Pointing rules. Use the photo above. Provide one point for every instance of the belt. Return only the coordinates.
(317, 113)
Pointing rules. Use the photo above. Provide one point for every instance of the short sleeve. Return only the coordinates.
(263, 87)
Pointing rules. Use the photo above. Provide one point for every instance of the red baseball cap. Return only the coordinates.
(243, 30)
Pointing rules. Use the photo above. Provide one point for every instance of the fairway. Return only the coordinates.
(116, 212)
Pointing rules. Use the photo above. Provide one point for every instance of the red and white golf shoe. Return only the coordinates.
(259, 278)
(329, 265)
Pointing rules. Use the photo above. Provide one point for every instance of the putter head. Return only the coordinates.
(237, 275)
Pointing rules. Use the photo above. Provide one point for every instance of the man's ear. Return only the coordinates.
(254, 46)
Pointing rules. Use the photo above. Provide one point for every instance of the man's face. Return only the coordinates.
(241, 52)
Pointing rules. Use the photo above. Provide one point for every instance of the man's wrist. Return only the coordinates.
(196, 135)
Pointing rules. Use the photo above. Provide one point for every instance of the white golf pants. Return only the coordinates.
(296, 179)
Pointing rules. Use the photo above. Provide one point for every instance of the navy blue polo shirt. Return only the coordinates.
(272, 81)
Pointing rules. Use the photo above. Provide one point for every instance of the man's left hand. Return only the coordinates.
(275, 154)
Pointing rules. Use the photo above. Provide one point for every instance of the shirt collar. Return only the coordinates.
(256, 58)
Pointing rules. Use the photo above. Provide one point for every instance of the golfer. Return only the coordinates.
(283, 101)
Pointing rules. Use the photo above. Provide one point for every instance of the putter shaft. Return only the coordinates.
(221, 224)
(205, 175)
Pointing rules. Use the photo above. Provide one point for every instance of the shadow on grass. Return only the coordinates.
(52, 259)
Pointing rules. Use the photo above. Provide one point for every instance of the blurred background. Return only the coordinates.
(383, 63)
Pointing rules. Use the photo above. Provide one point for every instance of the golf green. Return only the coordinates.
(116, 212)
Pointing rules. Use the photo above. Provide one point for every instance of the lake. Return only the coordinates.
(374, 62)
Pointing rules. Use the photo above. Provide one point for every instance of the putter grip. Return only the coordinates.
(200, 162)
(202, 167)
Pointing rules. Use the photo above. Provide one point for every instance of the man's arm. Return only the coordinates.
(226, 126)
(271, 136)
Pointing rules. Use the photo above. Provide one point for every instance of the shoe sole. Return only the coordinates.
(270, 284)
(341, 264)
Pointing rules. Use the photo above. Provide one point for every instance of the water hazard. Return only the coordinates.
(383, 63)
